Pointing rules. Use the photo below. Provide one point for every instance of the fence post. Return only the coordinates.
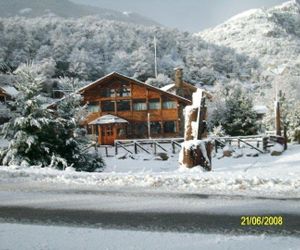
(135, 148)
(106, 151)
(155, 148)
(116, 148)
(173, 147)
(265, 143)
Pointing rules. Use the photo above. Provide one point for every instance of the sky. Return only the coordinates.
(186, 15)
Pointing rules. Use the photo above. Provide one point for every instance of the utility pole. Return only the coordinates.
(277, 115)
(155, 57)
(149, 126)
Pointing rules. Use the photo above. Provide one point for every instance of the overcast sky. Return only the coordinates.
(186, 15)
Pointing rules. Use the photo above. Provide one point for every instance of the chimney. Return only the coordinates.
(178, 77)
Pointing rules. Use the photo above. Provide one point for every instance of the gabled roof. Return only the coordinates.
(116, 74)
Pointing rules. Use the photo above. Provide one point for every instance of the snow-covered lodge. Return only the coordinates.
(121, 107)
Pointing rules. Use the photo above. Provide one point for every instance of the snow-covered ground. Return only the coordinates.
(31, 237)
(270, 176)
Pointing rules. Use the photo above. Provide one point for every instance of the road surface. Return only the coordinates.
(142, 210)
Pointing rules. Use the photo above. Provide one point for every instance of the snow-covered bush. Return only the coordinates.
(296, 136)
(160, 81)
(41, 136)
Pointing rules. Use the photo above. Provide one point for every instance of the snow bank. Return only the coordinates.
(264, 175)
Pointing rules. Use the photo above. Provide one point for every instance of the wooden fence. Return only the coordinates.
(260, 143)
(138, 145)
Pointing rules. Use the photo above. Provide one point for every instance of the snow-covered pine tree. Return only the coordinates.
(27, 124)
(160, 81)
(234, 112)
(41, 136)
(73, 140)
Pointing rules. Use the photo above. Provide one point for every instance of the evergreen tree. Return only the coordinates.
(160, 81)
(41, 136)
(234, 112)
(72, 139)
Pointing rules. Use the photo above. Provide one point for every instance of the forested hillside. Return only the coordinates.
(88, 48)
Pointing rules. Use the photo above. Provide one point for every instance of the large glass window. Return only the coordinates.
(140, 129)
(139, 105)
(170, 127)
(108, 92)
(93, 107)
(123, 91)
(154, 104)
(169, 104)
(107, 106)
(123, 105)
(155, 128)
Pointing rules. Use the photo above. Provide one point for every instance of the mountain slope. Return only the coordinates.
(270, 35)
(65, 8)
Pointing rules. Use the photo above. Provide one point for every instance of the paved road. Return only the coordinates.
(144, 210)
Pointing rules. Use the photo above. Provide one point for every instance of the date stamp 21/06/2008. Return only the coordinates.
(261, 220)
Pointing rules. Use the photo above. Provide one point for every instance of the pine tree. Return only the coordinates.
(235, 113)
(72, 140)
(41, 136)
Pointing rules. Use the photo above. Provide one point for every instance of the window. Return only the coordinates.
(123, 105)
(107, 106)
(140, 129)
(139, 105)
(169, 104)
(155, 128)
(93, 107)
(121, 132)
(170, 127)
(108, 92)
(154, 104)
(123, 91)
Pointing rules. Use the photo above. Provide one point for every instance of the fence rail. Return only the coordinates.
(139, 145)
(260, 143)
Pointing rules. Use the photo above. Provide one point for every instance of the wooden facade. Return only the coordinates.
(148, 111)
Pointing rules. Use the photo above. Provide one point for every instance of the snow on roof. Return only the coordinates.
(167, 87)
(107, 119)
(260, 109)
(11, 91)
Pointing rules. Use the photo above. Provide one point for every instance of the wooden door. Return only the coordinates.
(108, 134)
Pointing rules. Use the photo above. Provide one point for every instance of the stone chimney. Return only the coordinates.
(179, 81)
(178, 77)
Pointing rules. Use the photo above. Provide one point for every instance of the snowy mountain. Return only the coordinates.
(272, 36)
(66, 8)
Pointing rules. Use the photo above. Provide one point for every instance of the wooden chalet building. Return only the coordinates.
(121, 107)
